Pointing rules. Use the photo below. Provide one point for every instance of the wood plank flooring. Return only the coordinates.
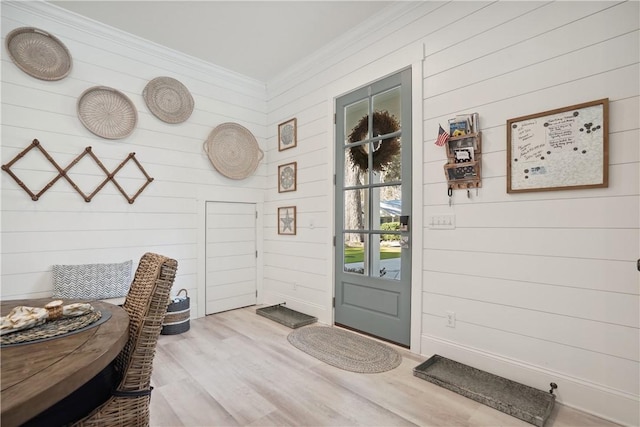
(237, 369)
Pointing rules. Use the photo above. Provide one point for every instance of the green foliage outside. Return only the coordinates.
(391, 226)
(356, 254)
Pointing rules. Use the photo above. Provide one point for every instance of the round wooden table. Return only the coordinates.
(37, 375)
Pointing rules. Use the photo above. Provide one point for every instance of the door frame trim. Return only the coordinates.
(411, 56)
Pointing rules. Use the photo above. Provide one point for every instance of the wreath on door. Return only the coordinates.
(383, 151)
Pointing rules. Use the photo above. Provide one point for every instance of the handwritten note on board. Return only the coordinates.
(559, 149)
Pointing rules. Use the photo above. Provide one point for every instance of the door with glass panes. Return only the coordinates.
(373, 207)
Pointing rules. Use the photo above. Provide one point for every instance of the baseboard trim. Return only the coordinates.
(595, 399)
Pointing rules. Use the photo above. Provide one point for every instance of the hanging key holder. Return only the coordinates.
(464, 154)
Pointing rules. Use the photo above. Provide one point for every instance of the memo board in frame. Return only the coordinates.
(562, 149)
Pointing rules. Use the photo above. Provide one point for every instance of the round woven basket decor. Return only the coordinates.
(233, 150)
(38, 53)
(107, 112)
(168, 99)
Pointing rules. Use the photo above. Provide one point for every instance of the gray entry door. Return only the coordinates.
(230, 256)
(373, 201)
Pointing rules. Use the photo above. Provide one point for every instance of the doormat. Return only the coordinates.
(345, 350)
(286, 316)
(518, 400)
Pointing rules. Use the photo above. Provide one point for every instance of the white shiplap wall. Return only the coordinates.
(168, 217)
(543, 284)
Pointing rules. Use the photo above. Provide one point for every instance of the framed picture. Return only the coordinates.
(562, 149)
(287, 220)
(287, 177)
(287, 134)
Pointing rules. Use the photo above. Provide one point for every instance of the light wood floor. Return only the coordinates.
(238, 369)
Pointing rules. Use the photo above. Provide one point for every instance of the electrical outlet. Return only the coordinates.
(295, 286)
(451, 319)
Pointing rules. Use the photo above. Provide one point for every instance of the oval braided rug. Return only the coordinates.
(345, 350)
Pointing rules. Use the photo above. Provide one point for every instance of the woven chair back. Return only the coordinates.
(146, 304)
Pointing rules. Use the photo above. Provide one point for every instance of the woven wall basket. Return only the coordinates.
(107, 112)
(168, 99)
(38, 53)
(233, 150)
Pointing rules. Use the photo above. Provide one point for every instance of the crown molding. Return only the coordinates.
(358, 32)
(81, 23)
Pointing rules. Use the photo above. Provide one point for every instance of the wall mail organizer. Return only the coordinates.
(62, 173)
(464, 153)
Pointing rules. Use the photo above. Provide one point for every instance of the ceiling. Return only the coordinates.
(258, 39)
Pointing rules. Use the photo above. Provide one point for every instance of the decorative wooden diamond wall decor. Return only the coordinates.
(62, 173)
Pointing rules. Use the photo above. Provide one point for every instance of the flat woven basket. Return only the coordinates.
(233, 150)
(51, 329)
(38, 53)
(107, 112)
(168, 99)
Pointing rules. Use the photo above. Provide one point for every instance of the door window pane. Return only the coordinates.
(388, 199)
(355, 115)
(355, 253)
(388, 101)
(386, 256)
(356, 206)
(354, 157)
(388, 154)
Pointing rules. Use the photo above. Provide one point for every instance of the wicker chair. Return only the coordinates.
(146, 304)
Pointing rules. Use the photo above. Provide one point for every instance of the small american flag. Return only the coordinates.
(443, 137)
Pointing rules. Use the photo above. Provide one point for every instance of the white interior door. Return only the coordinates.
(231, 273)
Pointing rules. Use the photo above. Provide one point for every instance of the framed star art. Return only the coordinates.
(287, 220)
(287, 177)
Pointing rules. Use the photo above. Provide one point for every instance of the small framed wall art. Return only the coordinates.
(287, 177)
(287, 220)
(287, 134)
